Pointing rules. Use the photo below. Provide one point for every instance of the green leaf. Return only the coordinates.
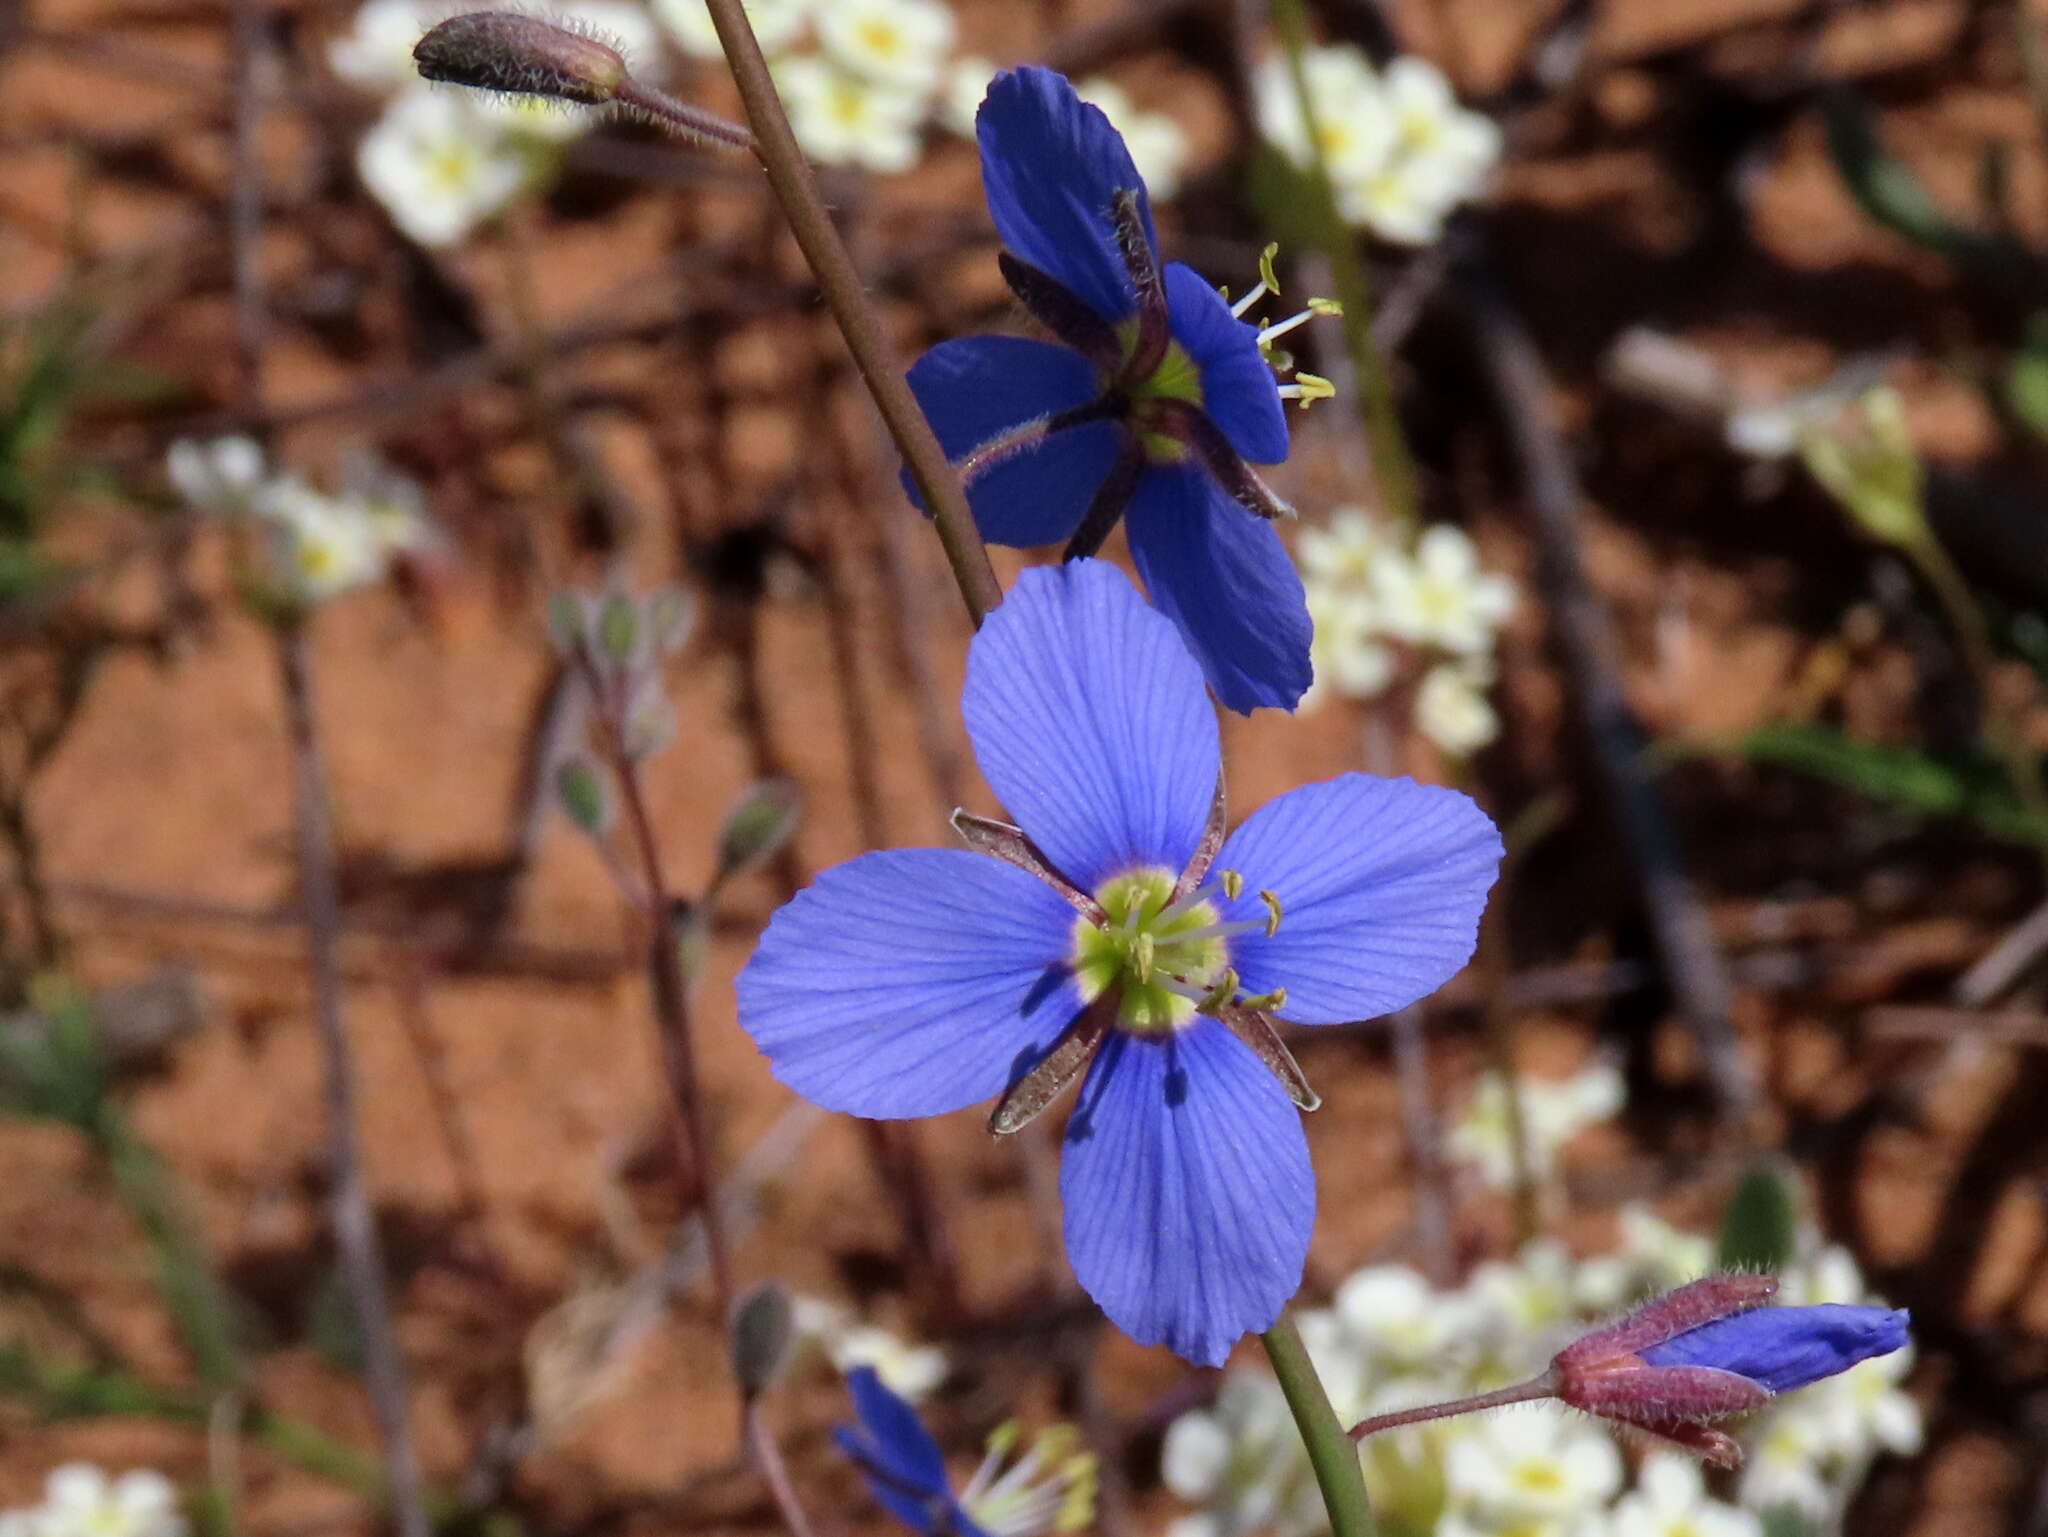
(1760, 1228)
(1893, 196)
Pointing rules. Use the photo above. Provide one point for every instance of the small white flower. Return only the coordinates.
(1553, 1112)
(1531, 1464)
(1451, 707)
(1528, 1298)
(1783, 1461)
(79, 1500)
(1671, 1500)
(393, 506)
(1353, 120)
(1402, 1322)
(1345, 551)
(776, 23)
(1654, 1257)
(1195, 1456)
(842, 118)
(375, 54)
(1432, 128)
(1442, 598)
(320, 545)
(901, 43)
(221, 475)
(909, 1370)
(439, 165)
(1159, 149)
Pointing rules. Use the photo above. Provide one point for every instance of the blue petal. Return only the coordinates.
(910, 982)
(1188, 1191)
(892, 1435)
(1238, 388)
(1786, 1348)
(977, 387)
(1381, 883)
(1089, 721)
(1223, 576)
(1051, 166)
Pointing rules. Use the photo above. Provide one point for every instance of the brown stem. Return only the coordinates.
(797, 192)
(355, 1228)
(767, 1457)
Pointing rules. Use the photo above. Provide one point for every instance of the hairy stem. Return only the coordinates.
(1330, 1451)
(797, 192)
(1544, 1386)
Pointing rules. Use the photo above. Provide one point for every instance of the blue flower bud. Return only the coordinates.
(1783, 1348)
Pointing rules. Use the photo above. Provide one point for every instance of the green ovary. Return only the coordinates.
(1176, 378)
(1137, 946)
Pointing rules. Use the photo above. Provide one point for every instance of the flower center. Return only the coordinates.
(1162, 955)
(1177, 378)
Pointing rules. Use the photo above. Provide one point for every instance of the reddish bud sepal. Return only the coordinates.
(1604, 1374)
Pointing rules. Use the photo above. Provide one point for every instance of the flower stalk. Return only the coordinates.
(1331, 1453)
(796, 190)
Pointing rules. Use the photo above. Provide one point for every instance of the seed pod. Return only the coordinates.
(520, 55)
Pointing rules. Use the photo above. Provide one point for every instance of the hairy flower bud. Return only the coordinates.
(521, 55)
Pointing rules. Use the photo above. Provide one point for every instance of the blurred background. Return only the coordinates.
(1687, 503)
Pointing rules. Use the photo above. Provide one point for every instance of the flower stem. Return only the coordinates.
(355, 1226)
(1544, 1386)
(1392, 467)
(797, 191)
(1331, 1452)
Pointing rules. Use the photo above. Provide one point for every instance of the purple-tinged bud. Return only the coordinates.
(1693, 1304)
(521, 55)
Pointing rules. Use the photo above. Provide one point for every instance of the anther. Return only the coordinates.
(1143, 951)
(1217, 996)
(1232, 883)
(1263, 1003)
(1272, 901)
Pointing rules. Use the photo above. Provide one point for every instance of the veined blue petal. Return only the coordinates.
(1238, 388)
(1786, 1348)
(1381, 883)
(1222, 575)
(1089, 721)
(1051, 166)
(1188, 1191)
(898, 1459)
(910, 982)
(973, 389)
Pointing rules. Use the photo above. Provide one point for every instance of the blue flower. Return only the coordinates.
(1117, 933)
(1151, 407)
(1051, 1488)
(903, 1466)
(1780, 1349)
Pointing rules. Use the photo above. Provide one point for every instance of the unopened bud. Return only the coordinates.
(757, 826)
(521, 55)
(582, 793)
(763, 1324)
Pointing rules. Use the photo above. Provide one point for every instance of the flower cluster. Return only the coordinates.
(1117, 937)
(1400, 151)
(1553, 1111)
(313, 544)
(80, 1500)
(1414, 615)
(1391, 1341)
(442, 162)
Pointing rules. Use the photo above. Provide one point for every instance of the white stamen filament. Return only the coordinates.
(1252, 296)
(1280, 328)
(1229, 930)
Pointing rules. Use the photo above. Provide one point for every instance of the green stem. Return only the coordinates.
(839, 281)
(1392, 467)
(1331, 1452)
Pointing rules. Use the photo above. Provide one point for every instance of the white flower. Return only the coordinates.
(909, 1370)
(841, 118)
(375, 54)
(1863, 1411)
(221, 475)
(1345, 551)
(1354, 122)
(776, 23)
(1451, 707)
(1783, 1463)
(439, 165)
(1158, 147)
(393, 507)
(1195, 1456)
(901, 43)
(1654, 1257)
(960, 95)
(1261, 1479)
(1431, 128)
(1442, 598)
(1347, 651)
(1531, 1464)
(320, 545)
(79, 1500)
(1553, 1112)
(1671, 1500)
(1527, 1298)
(1400, 1320)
